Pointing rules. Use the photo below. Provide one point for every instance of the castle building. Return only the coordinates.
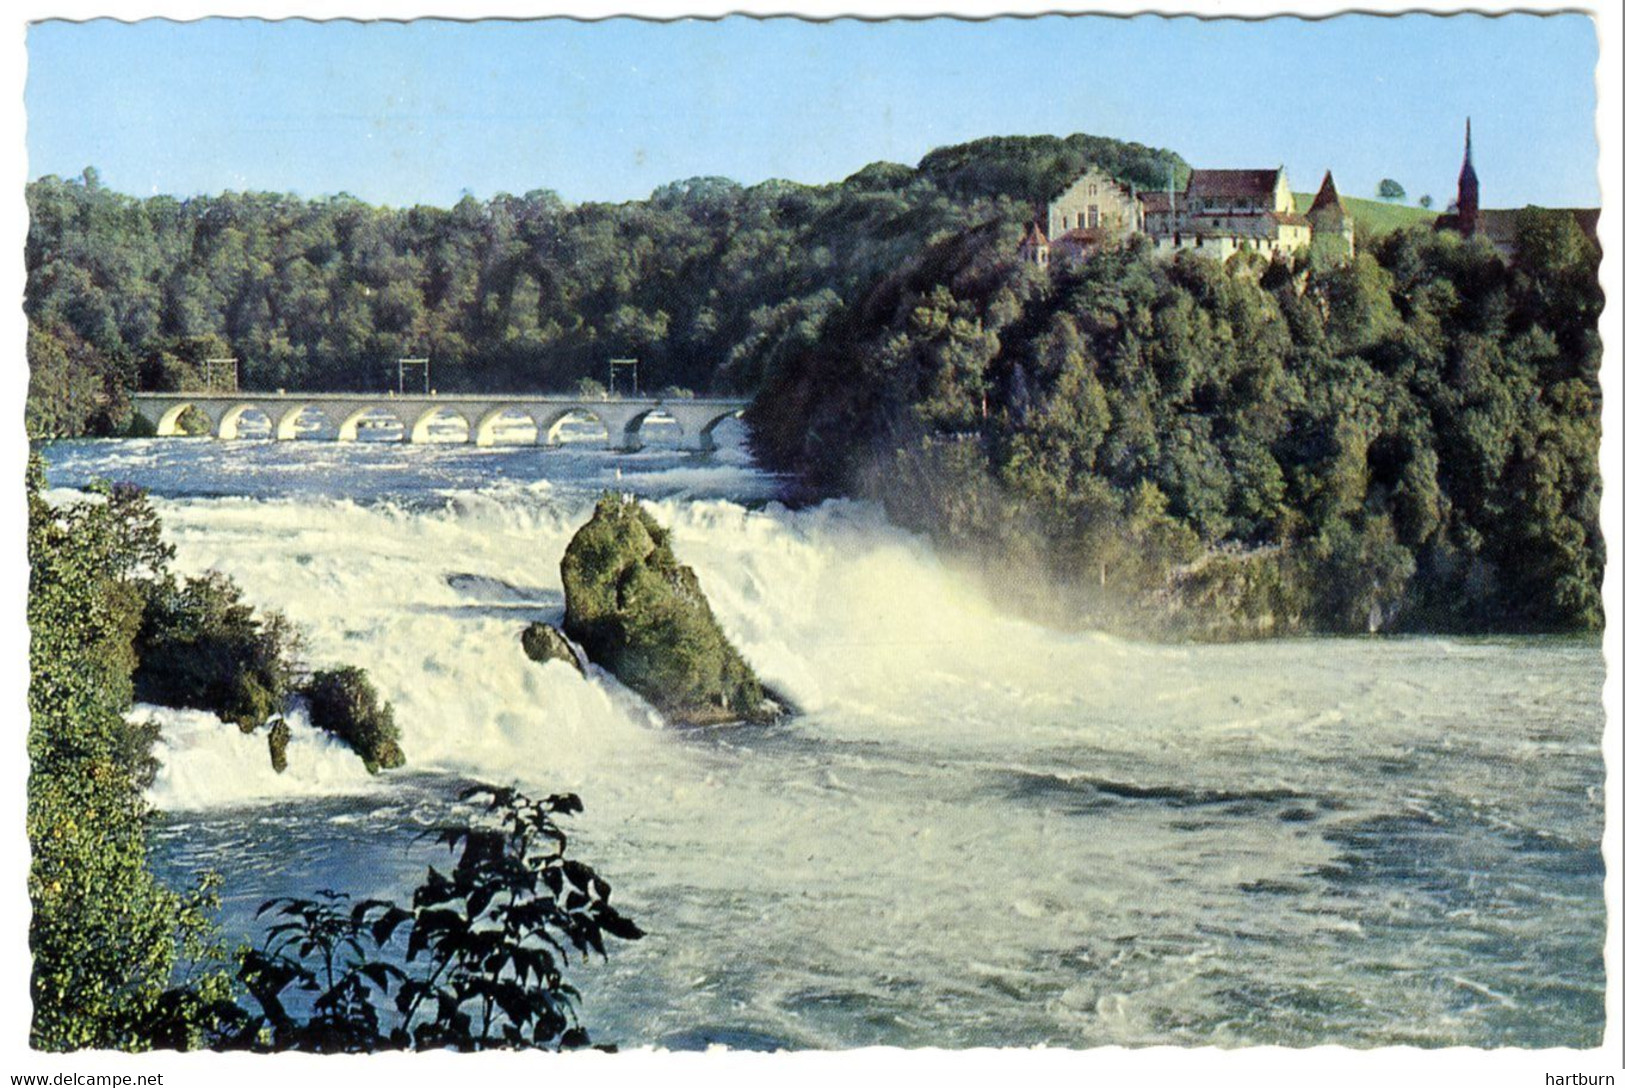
(1158, 209)
(1095, 210)
(1219, 213)
(1222, 212)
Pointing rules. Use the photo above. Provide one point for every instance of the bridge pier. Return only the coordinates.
(282, 421)
(697, 422)
(621, 421)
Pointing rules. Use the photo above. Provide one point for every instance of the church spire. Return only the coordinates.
(1467, 189)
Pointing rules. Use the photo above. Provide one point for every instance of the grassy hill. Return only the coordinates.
(1373, 218)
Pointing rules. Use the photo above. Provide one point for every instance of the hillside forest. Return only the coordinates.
(1402, 441)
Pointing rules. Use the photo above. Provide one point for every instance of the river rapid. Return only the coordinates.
(977, 831)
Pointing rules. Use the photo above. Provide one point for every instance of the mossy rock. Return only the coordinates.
(280, 735)
(543, 643)
(344, 703)
(640, 614)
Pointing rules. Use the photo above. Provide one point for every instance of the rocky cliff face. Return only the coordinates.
(640, 614)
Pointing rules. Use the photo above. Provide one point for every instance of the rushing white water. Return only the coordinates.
(976, 832)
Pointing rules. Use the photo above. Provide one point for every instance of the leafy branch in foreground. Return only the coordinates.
(474, 962)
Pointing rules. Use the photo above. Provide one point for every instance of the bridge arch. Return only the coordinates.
(550, 424)
(707, 434)
(418, 430)
(497, 417)
(637, 431)
(228, 426)
(700, 421)
(350, 428)
(169, 423)
(288, 427)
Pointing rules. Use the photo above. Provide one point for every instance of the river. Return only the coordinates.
(977, 832)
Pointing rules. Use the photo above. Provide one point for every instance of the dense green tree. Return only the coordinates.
(64, 388)
(1406, 439)
(200, 645)
(707, 282)
(111, 945)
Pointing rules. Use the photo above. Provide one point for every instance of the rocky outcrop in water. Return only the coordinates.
(278, 740)
(543, 643)
(344, 702)
(640, 614)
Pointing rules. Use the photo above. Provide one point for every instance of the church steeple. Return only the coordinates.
(1467, 189)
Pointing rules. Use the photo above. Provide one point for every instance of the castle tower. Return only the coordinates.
(1330, 220)
(1467, 190)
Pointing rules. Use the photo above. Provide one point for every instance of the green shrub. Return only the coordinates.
(200, 646)
(140, 427)
(344, 702)
(106, 937)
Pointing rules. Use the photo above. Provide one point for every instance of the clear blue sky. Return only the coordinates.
(422, 112)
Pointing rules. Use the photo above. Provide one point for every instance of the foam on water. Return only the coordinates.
(205, 763)
(431, 604)
(978, 831)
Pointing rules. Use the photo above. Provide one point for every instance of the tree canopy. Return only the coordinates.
(1408, 439)
(1418, 425)
(703, 282)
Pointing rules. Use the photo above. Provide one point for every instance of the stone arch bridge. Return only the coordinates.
(345, 414)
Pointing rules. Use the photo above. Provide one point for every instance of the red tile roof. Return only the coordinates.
(1232, 183)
